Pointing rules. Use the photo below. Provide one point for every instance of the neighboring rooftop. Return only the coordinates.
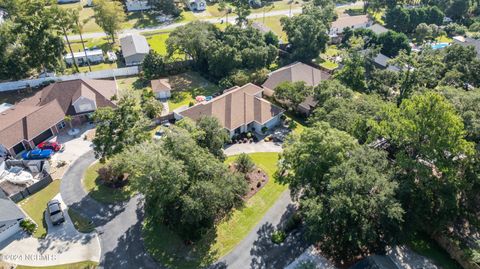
(81, 54)
(468, 41)
(134, 44)
(350, 21)
(382, 60)
(8, 209)
(295, 72)
(378, 29)
(160, 85)
(236, 107)
(375, 262)
(30, 117)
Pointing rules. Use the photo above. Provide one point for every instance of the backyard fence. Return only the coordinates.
(31, 83)
(30, 190)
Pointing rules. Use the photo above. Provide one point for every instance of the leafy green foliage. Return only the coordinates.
(185, 187)
(153, 65)
(220, 53)
(292, 93)
(432, 152)
(357, 212)
(109, 15)
(405, 20)
(244, 163)
(120, 127)
(307, 36)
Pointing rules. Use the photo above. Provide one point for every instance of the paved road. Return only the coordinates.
(170, 26)
(119, 226)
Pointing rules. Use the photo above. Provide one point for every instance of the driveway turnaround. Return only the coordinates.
(62, 245)
(260, 146)
(119, 225)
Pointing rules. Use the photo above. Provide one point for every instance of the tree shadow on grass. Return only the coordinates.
(109, 195)
(172, 251)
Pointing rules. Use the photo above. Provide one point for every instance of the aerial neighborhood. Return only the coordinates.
(330, 134)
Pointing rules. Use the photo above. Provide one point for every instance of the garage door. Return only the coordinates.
(18, 148)
(42, 137)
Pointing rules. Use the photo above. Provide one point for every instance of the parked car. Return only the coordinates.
(159, 134)
(55, 146)
(37, 154)
(55, 213)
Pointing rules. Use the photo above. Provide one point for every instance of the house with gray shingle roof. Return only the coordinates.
(134, 48)
(468, 41)
(10, 217)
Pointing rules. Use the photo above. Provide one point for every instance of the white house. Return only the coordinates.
(197, 5)
(137, 5)
(352, 22)
(239, 110)
(94, 56)
(10, 217)
(161, 88)
(134, 48)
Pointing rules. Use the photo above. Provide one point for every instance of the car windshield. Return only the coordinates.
(55, 212)
(54, 208)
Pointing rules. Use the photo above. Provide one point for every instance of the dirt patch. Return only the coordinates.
(256, 180)
(90, 135)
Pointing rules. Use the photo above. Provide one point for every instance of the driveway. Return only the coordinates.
(62, 245)
(119, 225)
(260, 146)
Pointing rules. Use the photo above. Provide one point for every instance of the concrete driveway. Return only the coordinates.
(62, 245)
(75, 146)
(260, 146)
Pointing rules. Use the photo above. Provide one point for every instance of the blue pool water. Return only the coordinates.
(439, 46)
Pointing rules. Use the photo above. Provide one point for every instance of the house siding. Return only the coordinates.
(83, 105)
(136, 59)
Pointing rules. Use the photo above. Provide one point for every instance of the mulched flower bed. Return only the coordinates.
(256, 179)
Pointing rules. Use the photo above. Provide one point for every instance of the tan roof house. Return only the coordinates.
(161, 88)
(33, 120)
(296, 72)
(239, 110)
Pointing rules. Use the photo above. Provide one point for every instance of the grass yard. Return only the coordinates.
(81, 223)
(171, 251)
(186, 87)
(78, 265)
(158, 43)
(444, 39)
(100, 192)
(329, 65)
(425, 246)
(274, 24)
(36, 204)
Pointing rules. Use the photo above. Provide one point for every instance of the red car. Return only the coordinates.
(50, 145)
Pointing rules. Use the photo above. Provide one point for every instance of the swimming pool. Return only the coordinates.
(440, 46)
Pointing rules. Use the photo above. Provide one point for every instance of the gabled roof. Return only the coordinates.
(236, 107)
(30, 117)
(295, 72)
(378, 29)
(160, 85)
(468, 41)
(349, 21)
(134, 44)
(8, 209)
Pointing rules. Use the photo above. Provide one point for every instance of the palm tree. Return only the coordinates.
(79, 29)
(66, 25)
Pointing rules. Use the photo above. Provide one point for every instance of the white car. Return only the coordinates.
(17, 175)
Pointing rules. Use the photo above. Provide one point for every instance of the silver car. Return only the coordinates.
(55, 213)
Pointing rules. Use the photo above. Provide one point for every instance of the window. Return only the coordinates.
(61, 125)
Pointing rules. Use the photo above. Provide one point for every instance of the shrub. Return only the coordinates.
(293, 222)
(475, 27)
(306, 265)
(278, 236)
(190, 104)
(264, 129)
(111, 175)
(244, 163)
(455, 29)
(28, 226)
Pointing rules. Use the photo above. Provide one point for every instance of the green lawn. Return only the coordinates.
(444, 39)
(425, 246)
(158, 43)
(79, 265)
(329, 65)
(274, 24)
(171, 251)
(186, 87)
(100, 192)
(36, 204)
(81, 223)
